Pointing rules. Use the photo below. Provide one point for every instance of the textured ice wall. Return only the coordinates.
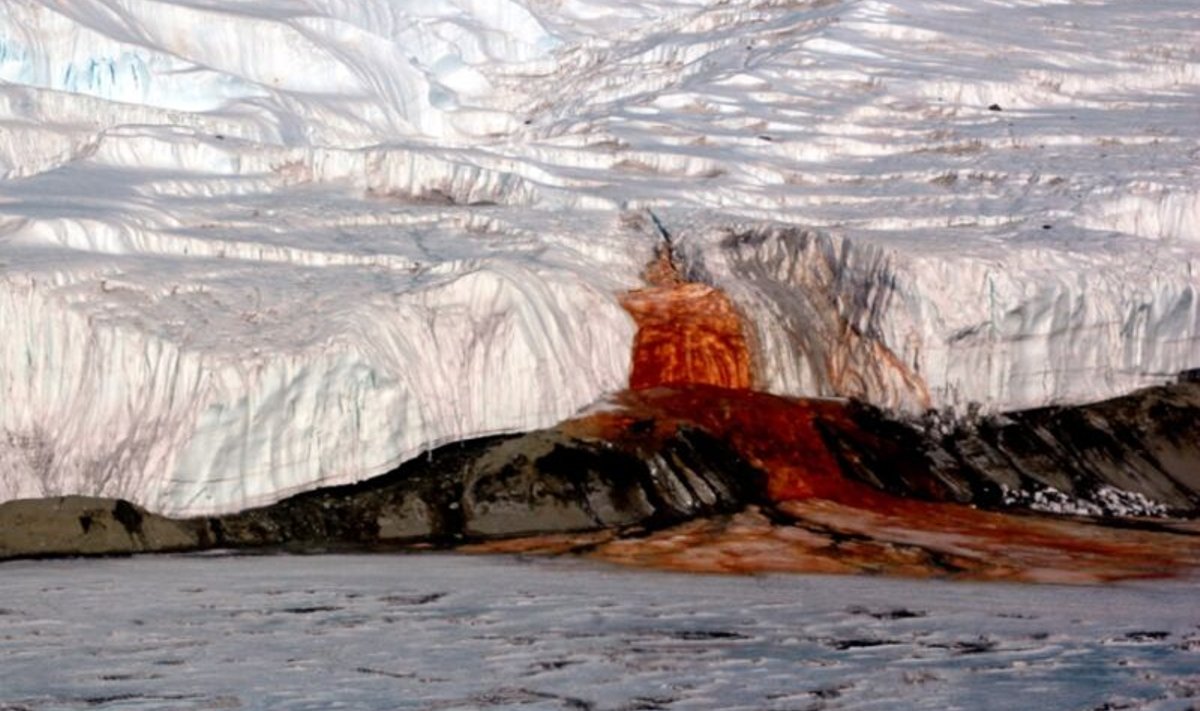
(247, 248)
(214, 389)
(1021, 327)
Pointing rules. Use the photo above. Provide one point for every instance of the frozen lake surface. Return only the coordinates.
(438, 631)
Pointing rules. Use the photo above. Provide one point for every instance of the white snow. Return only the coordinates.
(247, 248)
(1105, 501)
(444, 632)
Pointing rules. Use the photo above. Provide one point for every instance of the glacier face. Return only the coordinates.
(251, 248)
(1018, 325)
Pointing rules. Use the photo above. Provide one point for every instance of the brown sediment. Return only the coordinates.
(546, 544)
(933, 540)
(930, 541)
(1005, 545)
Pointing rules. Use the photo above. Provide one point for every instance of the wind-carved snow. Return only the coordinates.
(388, 68)
(250, 248)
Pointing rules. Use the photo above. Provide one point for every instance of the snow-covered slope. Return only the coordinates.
(251, 247)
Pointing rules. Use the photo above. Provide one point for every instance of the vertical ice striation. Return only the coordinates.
(930, 326)
(232, 405)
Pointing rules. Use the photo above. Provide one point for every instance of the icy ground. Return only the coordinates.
(247, 248)
(453, 632)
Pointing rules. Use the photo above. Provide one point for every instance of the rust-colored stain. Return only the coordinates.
(923, 541)
(688, 333)
(927, 540)
(691, 365)
(778, 435)
(827, 523)
(841, 525)
(691, 368)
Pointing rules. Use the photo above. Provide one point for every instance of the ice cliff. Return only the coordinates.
(251, 248)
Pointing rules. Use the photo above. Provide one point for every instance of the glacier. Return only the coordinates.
(249, 249)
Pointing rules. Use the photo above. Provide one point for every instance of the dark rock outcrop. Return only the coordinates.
(654, 471)
(540, 482)
(83, 525)
(1146, 443)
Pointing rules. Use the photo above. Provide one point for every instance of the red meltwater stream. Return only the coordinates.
(692, 366)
